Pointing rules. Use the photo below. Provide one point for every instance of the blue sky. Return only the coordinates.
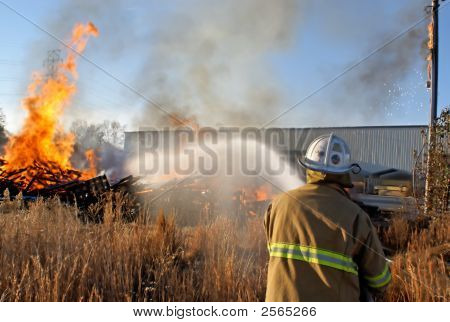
(317, 52)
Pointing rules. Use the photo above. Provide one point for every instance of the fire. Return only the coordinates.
(430, 46)
(92, 160)
(42, 141)
(257, 193)
(263, 192)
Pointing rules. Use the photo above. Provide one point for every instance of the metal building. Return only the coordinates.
(384, 146)
(374, 147)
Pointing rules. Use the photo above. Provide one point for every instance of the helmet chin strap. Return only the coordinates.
(354, 168)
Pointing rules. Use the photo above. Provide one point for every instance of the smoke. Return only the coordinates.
(106, 141)
(374, 83)
(210, 61)
(3, 133)
(371, 90)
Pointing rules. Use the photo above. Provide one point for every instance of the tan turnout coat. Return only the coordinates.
(320, 243)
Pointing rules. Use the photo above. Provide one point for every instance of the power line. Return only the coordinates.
(106, 72)
(9, 79)
(163, 110)
(352, 67)
(10, 62)
(336, 225)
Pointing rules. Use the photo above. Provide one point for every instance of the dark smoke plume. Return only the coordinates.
(207, 60)
(368, 92)
(210, 60)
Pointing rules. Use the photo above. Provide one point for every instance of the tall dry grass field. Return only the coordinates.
(420, 267)
(47, 254)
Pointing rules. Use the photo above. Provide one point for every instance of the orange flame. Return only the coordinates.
(263, 192)
(257, 193)
(92, 160)
(430, 45)
(42, 138)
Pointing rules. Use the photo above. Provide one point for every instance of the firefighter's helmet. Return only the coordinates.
(329, 154)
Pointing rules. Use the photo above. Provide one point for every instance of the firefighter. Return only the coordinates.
(323, 247)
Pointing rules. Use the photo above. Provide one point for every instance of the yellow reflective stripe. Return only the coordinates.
(314, 261)
(313, 255)
(314, 249)
(379, 276)
(382, 283)
(381, 279)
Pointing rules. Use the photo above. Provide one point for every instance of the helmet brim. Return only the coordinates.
(355, 168)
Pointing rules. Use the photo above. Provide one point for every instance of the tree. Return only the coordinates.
(91, 136)
(106, 139)
(3, 135)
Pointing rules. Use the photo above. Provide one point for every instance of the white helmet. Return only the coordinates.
(329, 154)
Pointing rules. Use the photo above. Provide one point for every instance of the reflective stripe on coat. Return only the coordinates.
(320, 243)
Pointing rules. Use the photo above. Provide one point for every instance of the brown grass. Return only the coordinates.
(47, 254)
(420, 266)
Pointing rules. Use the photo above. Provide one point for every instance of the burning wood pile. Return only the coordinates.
(42, 174)
(39, 155)
(198, 198)
(37, 160)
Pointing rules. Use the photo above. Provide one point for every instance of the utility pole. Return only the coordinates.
(434, 60)
(434, 51)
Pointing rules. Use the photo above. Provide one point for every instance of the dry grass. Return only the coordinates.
(47, 254)
(420, 268)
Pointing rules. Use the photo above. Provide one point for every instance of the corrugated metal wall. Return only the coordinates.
(388, 146)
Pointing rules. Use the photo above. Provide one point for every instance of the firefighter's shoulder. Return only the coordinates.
(288, 197)
(317, 192)
(291, 200)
